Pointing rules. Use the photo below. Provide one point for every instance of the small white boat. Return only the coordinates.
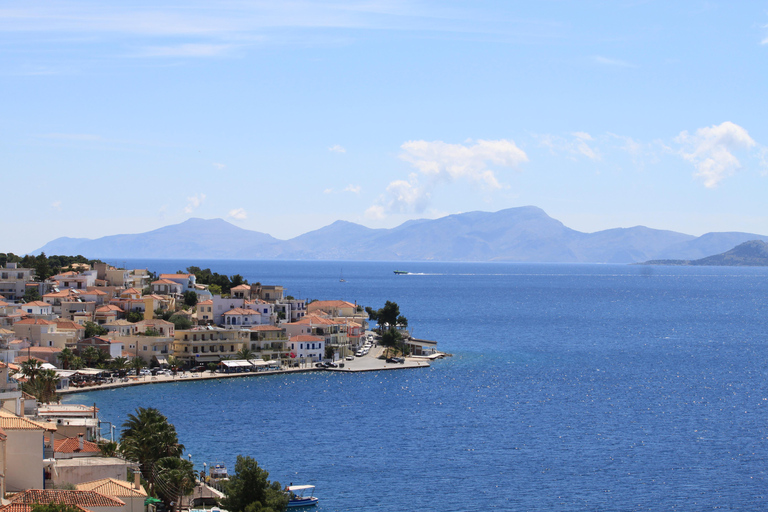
(297, 498)
(218, 472)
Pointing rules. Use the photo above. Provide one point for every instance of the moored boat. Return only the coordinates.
(296, 496)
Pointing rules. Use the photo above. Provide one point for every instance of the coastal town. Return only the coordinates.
(94, 326)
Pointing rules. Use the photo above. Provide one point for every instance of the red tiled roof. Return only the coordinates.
(21, 359)
(165, 281)
(306, 337)
(81, 498)
(265, 328)
(72, 445)
(10, 421)
(332, 303)
(24, 507)
(67, 325)
(240, 311)
(35, 321)
(113, 487)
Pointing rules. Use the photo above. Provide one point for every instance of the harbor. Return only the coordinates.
(369, 363)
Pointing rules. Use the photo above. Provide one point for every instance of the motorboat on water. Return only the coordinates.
(401, 272)
(218, 472)
(297, 496)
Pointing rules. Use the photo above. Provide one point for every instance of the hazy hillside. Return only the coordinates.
(753, 253)
(525, 234)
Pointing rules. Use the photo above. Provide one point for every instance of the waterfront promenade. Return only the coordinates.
(370, 362)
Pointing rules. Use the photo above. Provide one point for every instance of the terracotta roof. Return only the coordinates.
(35, 321)
(72, 445)
(130, 291)
(82, 498)
(208, 302)
(38, 303)
(2, 303)
(306, 337)
(315, 320)
(241, 287)
(240, 311)
(67, 325)
(165, 281)
(332, 304)
(178, 276)
(43, 350)
(24, 507)
(107, 309)
(21, 359)
(93, 291)
(112, 487)
(10, 421)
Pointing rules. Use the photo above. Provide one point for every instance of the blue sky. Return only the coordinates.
(282, 117)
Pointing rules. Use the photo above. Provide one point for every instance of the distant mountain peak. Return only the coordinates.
(524, 233)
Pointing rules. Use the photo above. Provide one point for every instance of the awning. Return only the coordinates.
(236, 363)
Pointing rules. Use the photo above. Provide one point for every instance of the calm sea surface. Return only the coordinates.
(572, 387)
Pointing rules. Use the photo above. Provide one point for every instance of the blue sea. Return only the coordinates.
(571, 387)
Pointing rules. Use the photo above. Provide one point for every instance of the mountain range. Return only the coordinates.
(753, 253)
(523, 234)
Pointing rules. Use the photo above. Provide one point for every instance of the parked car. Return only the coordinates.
(320, 365)
(331, 365)
(350, 358)
(198, 369)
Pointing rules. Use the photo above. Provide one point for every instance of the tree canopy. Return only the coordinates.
(249, 489)
(147, 437)
(222, 283)
(387, 317)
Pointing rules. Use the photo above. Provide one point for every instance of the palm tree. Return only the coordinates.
(245, 353)
(119, 363)
(43, 386)
(147, 437)
(30, 368)
(65, 357)
(137, 363)
(77, 363)
(174, 478)
(91, 355)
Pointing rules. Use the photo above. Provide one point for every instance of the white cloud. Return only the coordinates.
(355, 189)
(56, 205)
(375, 212)
(711, 148)
(219, 166)
(238, 214)
(337, 149)
(440, 162)
(328, 191)
(578, 145)
(194, 202)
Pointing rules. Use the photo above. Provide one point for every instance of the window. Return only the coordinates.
(194, 350)
(144, 348)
